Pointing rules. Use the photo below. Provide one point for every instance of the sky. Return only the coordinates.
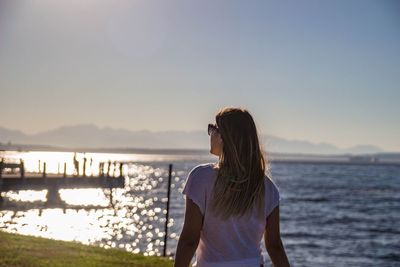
(322, 71)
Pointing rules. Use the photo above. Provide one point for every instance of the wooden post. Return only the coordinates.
(1, 179)
(1, 166)
(108, 168)
(22, 168)
(65, 169)
(44, 169)
(84, 166)
(167, 219)
(120, 169)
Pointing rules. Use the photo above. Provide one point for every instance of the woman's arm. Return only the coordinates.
(273, 242)
(190, 236)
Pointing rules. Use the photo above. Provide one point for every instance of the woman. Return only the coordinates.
(231, 204)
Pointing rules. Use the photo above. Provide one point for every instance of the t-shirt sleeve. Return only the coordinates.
(194, 188)
(272, 196)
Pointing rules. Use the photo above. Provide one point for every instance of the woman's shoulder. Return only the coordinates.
(270, 183)
(272, 195)
(203, 171)
(200, 175)
(203, 168)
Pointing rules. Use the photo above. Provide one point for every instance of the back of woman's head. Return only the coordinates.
(239, 186)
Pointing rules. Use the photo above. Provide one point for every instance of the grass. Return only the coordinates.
(20, 250)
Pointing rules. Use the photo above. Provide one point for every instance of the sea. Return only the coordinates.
(331, 214)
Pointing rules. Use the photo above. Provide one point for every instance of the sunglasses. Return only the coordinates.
(212, 128)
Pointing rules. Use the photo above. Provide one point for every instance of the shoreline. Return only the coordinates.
(375, 159)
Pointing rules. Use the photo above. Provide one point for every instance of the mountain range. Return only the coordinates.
(92, 136)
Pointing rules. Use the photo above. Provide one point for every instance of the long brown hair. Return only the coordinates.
(242, 166)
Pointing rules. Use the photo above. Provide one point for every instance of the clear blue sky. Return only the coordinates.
(323, 71)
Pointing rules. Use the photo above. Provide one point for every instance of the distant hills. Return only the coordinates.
(93, 137)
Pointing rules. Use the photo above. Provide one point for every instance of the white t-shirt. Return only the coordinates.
(233, 242)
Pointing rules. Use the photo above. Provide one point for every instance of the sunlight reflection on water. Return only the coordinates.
(133, 219)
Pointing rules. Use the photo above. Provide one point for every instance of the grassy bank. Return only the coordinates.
(19, 250)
